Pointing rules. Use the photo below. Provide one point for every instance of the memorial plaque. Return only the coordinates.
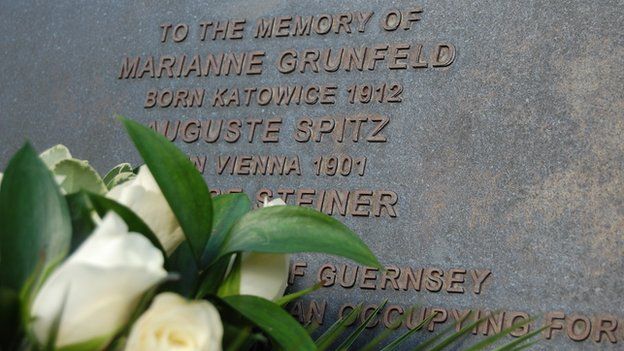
(476, 146)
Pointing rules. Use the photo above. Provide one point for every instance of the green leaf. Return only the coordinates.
(182, 185)
(401, 339)
(430, 341)
(34, 219)
(518, 343)
(79, 175)
(211, 278)
(29, 292)
(119, 174)
(237, 337)
(228, 209)
(231, 285)
(243, 335)
(494, 338)
(183, 263)
(385, 333)
(335, 330)
(358, 331)
(135, 224)
(54, 155)
(80, 209)
(290, 229)
(526, 346)
(90, 345)
(120, 168)
(273, 320)
(455, 336)
(9, 319)
(312, 326)
(284, 300)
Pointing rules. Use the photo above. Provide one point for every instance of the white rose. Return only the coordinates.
(54, 155)
(264, 274)
(173, 323)
(99, 285)
(143, 196)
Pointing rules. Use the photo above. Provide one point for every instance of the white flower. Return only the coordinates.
(274, 202)
(143, 196)
(1, 175)
(264, 274)
(98, 286)
(54, 155)
(175, 324)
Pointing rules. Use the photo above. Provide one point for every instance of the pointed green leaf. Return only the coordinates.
(120, 168)
(9, 319)
(183, 264)
(118, 175)
(358, 331)
(335, 330)
(513, 345)
(34, 219)
(89, 345)
(385, 333)
(481, 345)
(182, 185)
(79, 175)
(228, 209)
(30, 290)
(455, 336)
(378, 339)
(311, 326)
(231, 285)
(212, 277)
(284, 300)
(242, 335)
(526, 346)
(430, 341)
(273, 320)
(291, 229)
(401, 339)
(237, 338)
(54, 155)
(81, 210)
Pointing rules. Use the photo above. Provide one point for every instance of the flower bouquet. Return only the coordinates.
(146, 259)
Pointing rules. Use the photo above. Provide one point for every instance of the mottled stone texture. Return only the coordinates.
(511, 159)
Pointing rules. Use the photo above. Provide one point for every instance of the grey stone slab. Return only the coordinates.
(511, 159)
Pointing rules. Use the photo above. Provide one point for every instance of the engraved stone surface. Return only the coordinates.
(476, 146)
